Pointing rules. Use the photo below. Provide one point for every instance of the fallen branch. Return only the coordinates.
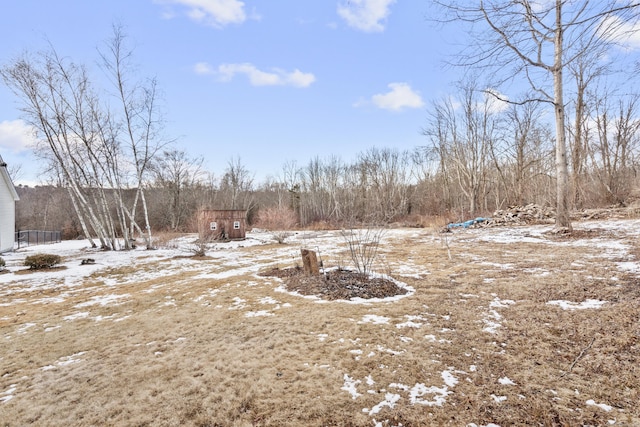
(584, 350)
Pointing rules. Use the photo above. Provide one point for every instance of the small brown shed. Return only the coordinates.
(222, 224)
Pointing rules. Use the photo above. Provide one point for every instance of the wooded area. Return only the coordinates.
(381, 186)
(113, 176)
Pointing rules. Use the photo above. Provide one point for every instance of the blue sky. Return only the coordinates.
(268, 82)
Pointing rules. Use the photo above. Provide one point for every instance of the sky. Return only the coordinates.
(265, 82)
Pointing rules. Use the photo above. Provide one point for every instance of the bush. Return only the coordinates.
(199, 248)
(40, 261)
(363, 244)
(2, 263)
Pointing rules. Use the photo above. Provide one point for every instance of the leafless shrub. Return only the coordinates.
(200, 247)
(279, 220)
(363, 244)
(280, 236)
(42, 261)
(442, 233)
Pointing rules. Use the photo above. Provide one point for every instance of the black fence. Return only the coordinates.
(36, 237)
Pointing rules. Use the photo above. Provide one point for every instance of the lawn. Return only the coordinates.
(497, 326)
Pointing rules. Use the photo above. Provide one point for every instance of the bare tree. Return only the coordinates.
(316, 205)
(140, 116)
(291, 181)
(81, 137)
(59, 102)
(616, 145)
(585, 71)
(521, 155)
(237, 186)
(432, 192)
(355, 193)
(388, 172)
(178, 179)
(462, 138)
(538, 41)
(15, 171)
(319, 192)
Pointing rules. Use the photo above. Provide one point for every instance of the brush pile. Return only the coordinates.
(520, 215)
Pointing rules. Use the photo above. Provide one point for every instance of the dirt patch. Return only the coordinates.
(336, 284)
(578, 234)
(40, 270)
(194, 257)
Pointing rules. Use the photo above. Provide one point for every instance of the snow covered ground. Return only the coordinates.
(94, 286)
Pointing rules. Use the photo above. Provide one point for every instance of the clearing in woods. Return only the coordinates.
(494, 326)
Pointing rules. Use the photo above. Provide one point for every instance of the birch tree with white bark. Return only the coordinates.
(91, 146)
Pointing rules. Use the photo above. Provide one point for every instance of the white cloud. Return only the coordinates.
(365, 15)
(624, 33)
(215, 13)
(16, 136)
(542, 6)
(203, 68)
(400, 96)
(275, 77)
(496, 102)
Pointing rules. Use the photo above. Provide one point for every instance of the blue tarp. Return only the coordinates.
(468, 224)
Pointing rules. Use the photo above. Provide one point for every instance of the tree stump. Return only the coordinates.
(310, 262)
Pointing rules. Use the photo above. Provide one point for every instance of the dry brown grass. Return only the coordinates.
(180, 349)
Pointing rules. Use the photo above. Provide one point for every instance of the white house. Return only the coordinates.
(8, 198)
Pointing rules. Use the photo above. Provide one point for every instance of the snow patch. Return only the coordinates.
(238, 303)
(7, 395)
(259, 313)
(375, 319)
(602, 406)
(64, 361)
(568, 305)
(351, 386)
(411, 322)
(103, 300)
(389, 401)
(23, 328)
(493, 317)
(81, 315)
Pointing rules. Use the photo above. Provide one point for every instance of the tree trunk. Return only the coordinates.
(578, 152)
(310, 262)
(563, 220)
(81, 219)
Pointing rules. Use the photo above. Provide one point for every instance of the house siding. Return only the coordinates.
(229, 224)
(8, 197)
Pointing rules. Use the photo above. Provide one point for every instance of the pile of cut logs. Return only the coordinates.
(529, 214)
(536, 214)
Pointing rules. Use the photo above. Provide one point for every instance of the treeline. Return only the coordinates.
(480, 155)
